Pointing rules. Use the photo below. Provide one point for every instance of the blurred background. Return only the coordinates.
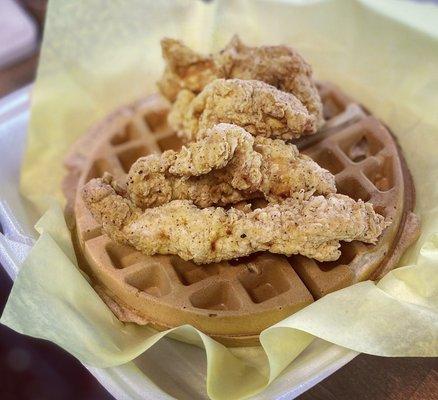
(35, 370)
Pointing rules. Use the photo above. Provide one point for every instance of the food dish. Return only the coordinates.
(234, 301)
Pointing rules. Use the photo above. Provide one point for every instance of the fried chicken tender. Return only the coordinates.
(280, 66)
(227, 166)
(185, 69)
(256, 106)
(311, 226)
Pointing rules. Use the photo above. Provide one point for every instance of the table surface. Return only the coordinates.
(366, 377)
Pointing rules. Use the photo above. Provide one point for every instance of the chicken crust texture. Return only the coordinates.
(226, 166)
(256, 106)
(311, 226)
(280, 66)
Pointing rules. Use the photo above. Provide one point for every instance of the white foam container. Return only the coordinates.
(174, 369)
(18, 33)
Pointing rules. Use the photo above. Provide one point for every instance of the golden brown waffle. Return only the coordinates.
(234, 301)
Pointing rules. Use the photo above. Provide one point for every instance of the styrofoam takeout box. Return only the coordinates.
(173, 368)
(18, 33)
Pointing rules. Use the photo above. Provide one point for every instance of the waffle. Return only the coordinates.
(234, 301)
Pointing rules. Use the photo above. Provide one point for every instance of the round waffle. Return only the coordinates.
(234, 301)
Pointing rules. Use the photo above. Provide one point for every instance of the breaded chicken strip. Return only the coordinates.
(312, 227)
(280, 66)
(227, 166)
(185, 69)
(256, 106)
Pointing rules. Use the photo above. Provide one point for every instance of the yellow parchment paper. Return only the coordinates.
(98, 55)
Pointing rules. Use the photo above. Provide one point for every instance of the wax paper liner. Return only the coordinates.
(98, 55)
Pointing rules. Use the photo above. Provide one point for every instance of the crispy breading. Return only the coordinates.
(185, 68)
(286, 171)
(311, 226)
(280, 66)
(227, 166)
(256, 106)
